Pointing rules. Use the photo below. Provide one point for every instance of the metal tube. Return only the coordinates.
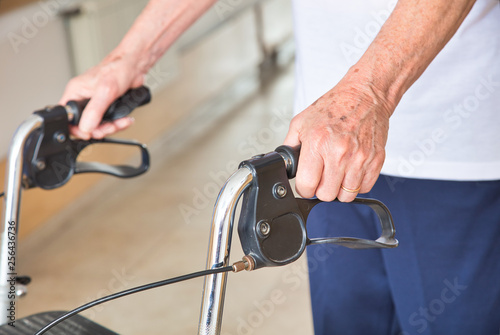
(10, 225)
(218, 252)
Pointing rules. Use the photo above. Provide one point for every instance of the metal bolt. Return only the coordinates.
(40, 165)
(21, 290)
(279, 191)
(60, 137)
(264, 228)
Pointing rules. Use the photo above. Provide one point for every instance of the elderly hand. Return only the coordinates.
(153, 32)
(102, 84)
(343, 136)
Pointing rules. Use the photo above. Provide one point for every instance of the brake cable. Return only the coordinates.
(236, 267)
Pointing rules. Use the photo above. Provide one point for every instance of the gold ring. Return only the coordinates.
(350, 190)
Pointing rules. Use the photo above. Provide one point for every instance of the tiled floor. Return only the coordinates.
(128, 233)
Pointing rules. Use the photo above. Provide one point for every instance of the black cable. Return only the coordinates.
(2, 194)
(131, 291)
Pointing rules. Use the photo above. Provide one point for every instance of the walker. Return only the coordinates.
(272, 222)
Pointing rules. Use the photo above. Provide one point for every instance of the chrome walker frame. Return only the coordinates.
(219, 245)
(210, 321)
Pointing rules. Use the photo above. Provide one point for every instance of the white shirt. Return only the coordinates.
(447, 126)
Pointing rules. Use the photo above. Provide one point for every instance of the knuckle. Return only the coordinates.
(366, 188)
(375, 160)
(368, 182)
(379, 158)
(325, 195)
(346, 197)
(109, 89)
(375, 164)
(361, 157)
(73, 85)
(75, 81)
(303, 192)
(305, 188)
(295, 122)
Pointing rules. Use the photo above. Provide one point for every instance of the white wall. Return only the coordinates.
(34, 64)
(35, 60)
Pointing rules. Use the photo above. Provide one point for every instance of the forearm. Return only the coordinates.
(153, 32)
(407, 43)
(343, 134)
(156, 29)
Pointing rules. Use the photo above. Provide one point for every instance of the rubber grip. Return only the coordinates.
(121, 107)
(291, 157)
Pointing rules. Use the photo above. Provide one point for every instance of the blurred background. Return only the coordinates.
(221, 94)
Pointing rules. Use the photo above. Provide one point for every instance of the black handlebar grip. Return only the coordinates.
(121, 107)
(291, 157)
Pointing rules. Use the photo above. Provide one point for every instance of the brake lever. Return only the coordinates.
(272, 225)
(50, 154)
(120, 171)
(386, 239)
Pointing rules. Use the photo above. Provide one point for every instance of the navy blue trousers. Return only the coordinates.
(443, 279)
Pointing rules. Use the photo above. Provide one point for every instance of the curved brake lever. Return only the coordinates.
(121, 171)
(387, 237)
(50, 155)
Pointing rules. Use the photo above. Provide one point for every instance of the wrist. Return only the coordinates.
(135, 54)
(376, 85)
(117, 71)
(127, 62)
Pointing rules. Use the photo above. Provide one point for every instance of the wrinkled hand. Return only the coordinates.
(102, 84)
(343, 136)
